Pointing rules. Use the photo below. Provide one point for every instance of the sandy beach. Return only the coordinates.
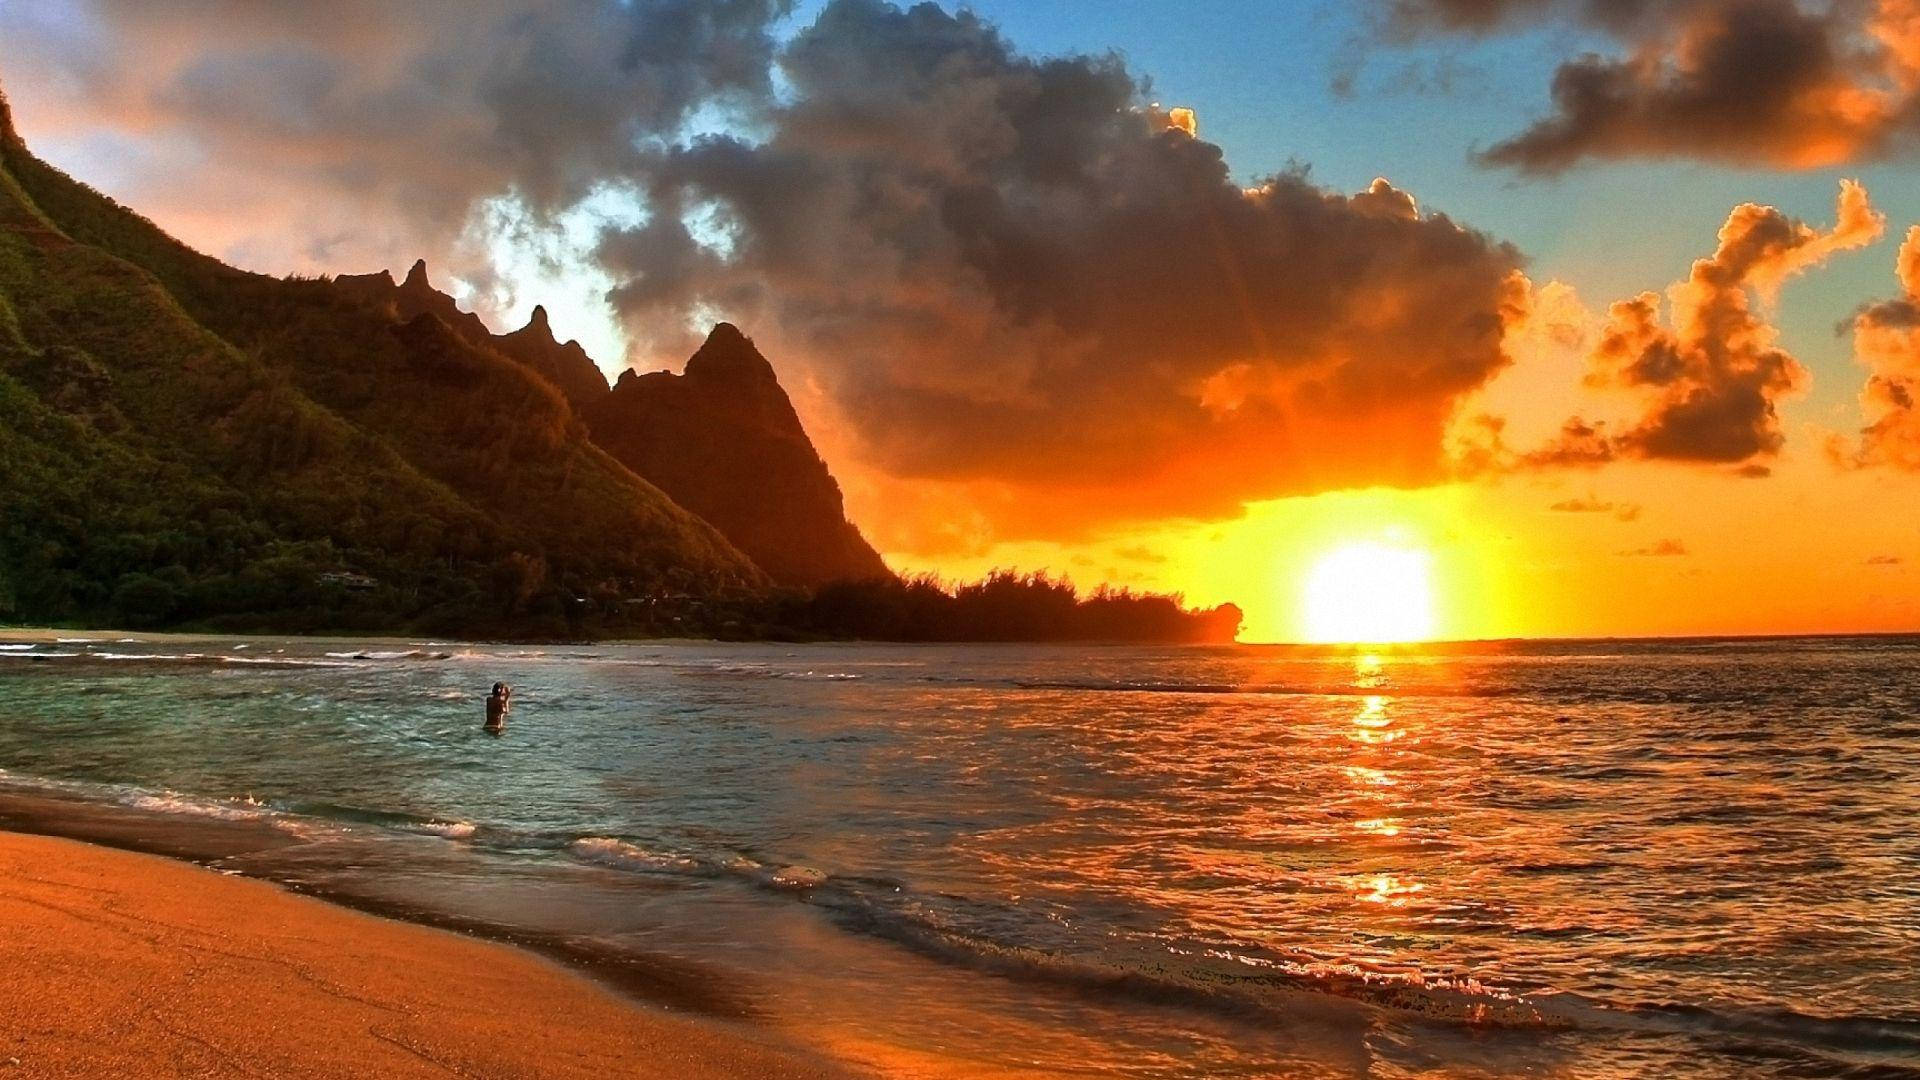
(130, 965)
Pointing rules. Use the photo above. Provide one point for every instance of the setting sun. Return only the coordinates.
(1370, 592)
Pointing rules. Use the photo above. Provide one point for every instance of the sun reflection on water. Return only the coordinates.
(1385, 826)
(1388, 890)
(1372, 725)
(1372, 771)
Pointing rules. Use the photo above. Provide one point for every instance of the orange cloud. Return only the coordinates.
(1886, 338)
(1710, 376)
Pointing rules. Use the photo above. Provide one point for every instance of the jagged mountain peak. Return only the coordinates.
(730, 355)
(723, 440)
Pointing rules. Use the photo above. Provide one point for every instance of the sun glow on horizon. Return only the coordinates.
(1371, 593)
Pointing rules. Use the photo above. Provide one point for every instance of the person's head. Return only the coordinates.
(499, 689)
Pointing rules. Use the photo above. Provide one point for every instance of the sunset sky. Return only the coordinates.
(1576, 301)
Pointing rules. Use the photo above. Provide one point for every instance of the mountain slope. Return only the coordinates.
(186, 441)
(723, 441)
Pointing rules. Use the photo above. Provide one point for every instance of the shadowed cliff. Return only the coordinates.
(724, 441)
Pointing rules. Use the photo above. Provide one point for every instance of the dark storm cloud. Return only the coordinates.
(1012, 269)
(990, 268)
(1751, 82)
(421, 107)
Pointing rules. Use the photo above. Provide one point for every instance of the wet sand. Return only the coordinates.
(122, 964)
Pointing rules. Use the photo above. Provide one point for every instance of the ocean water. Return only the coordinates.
(1597, 859)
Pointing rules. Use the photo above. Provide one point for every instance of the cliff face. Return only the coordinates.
(567, 367)
(722, 440)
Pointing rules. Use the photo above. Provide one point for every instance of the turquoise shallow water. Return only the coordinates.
(1575, 859)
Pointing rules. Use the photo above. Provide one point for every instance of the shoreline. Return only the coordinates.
(653, 982)
(137, 964)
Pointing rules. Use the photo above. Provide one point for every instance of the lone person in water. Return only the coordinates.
(498, 703)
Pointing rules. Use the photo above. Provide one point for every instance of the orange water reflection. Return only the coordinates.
(1372, 724)
(1387, 889)
(1373, 774)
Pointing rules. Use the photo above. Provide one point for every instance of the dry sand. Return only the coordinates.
(115, 964)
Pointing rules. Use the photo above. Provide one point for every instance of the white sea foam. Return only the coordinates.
(611, 852)
(168, 802)
(390, 654)
(283, 661)
(452, 830)
(17, 648)
(765, 671)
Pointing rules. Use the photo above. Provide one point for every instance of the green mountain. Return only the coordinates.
(184, 442)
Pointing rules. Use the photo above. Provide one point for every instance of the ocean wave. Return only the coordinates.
(193, 659)
(610, 851)
(284, 662)
(180, 806)
(1213, 979)
(452, 830)
(627, 855)
(769, 671)
(1888, 1036)
(1240, 981)
(13, 647)
(1194, 976)
(172, 802)
(391, 654)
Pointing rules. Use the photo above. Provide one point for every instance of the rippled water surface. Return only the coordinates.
(1594, 859)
